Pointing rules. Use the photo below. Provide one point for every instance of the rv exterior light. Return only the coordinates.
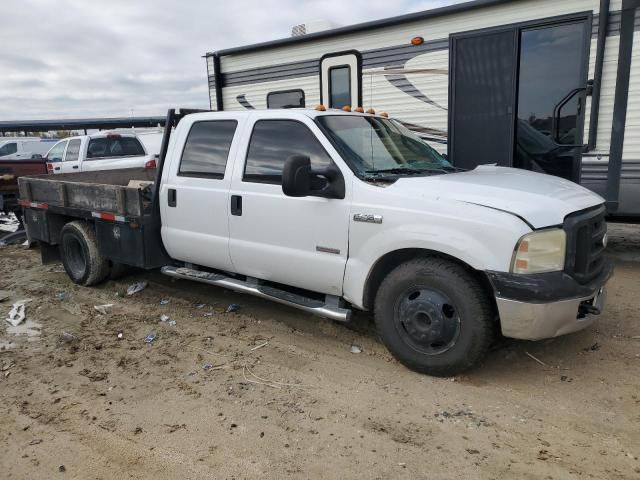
(371, 111)
(384, 114)
(417, 41)
(321, 108)
(346, 108)
(359, 110)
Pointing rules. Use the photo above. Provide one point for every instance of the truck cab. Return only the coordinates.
(329, 211)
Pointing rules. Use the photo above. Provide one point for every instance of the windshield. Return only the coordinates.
(373, 145)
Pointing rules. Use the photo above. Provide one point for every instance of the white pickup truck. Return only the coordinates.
(328, 211)
(104, 151)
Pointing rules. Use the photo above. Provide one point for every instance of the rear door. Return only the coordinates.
(194, 195)
(70, 162)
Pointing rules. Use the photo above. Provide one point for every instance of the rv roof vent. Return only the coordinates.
(312, 27)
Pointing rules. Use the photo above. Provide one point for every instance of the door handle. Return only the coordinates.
(57, 168)
(236, 205)
(75, 166)
(172, 197)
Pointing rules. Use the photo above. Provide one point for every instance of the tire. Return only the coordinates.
(80, 256)
(434, 316)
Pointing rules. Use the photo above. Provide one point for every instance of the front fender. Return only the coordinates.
(485, 243)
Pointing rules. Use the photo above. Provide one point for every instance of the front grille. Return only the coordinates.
(585, 246)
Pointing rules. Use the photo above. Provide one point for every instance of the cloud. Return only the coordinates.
(74, 58)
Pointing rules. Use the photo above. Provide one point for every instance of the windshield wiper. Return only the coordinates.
(399, 170)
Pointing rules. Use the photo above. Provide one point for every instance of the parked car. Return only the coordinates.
(329, 211)
(104, 151)
(24, 149)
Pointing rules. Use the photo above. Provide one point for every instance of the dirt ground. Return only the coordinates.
(269, 392)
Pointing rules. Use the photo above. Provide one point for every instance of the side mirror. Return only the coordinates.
(300, 180)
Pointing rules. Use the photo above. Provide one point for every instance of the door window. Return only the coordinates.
(56, 152)
(272, 142)
(8, 149)
(339, 86)
(73, 151)
(207, 148)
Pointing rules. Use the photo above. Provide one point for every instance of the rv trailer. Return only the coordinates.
(546, 85)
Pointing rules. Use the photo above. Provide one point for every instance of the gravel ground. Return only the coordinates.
(270, 392)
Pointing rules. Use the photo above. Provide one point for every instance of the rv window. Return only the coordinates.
(286, 99)
(339, 86)
(8, 149)
(72, 151)
(207, 149)
(272, 142)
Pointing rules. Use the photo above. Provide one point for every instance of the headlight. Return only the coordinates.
(540, 252)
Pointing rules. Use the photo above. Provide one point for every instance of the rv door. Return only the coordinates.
(341, 79)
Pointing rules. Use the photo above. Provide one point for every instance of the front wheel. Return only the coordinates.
(434, 316)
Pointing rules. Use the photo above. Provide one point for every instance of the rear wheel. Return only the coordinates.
(80, 256)
(434, 316)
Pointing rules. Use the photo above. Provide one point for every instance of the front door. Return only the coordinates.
(518, 96)
(70, 162)
(299, 241)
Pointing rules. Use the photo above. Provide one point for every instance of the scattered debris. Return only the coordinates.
(164, 318)
(61, 296)
(103, 309)
(4, 295)
(62, 469)
(67, 337)
(472, 451)
(171, 323)
(207, 314)
(593, 348)
(207, 366)
(564, 378)
(537, 360)
(150, 338)
(164, 301)
(234, 307)
(137, 431)
(120, 335)
(200, 305)
(259, 346)
(355, 349)
(8, 366)
(136, 287)
(17, 313)
(37, 441)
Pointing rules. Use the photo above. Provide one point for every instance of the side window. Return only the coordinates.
(272, 142)
(207, 149)
(73, 151)
(114, 146)
(8, 149)
(55, 154)
(339, 86)
(286, 99)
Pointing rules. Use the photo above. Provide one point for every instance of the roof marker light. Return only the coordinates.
(417, 41)
(346, 108)
(371, 111)
(321, 108)
(384, 114)
(359, 110)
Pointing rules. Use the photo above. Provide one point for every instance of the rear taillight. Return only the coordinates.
(49, 167)
(151, 164)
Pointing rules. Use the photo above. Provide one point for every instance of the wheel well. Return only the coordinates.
(391, 260)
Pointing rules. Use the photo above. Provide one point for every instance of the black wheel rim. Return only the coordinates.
(75, 256)
(427, 320)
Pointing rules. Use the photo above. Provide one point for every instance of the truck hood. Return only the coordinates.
(541, 200)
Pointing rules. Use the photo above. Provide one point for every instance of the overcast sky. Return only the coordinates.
(98, 58)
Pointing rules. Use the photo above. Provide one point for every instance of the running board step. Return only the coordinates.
(253, 287)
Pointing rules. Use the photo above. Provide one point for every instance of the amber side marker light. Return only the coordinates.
(321, 108)
(417, 41)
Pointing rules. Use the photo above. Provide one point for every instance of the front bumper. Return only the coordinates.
(533, 307)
